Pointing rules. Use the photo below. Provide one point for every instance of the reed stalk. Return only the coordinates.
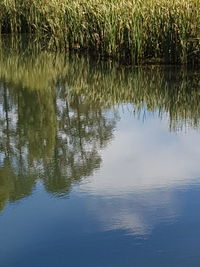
(133, 30)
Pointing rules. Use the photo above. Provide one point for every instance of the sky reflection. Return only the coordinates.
(143, 170)
(88, 181)
(146, 156)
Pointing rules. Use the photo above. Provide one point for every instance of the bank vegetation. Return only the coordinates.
(133, 31)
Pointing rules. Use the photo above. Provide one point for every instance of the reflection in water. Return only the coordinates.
(136, 213)
(168, 90)
(121, 143)
(47, 137)
(58, 112)
(142, 172)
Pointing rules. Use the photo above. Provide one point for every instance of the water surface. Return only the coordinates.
(99, 164)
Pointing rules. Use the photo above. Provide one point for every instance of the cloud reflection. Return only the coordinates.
(142, 170)
(146, 156)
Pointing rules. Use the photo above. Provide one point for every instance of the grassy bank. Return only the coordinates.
(131, 30)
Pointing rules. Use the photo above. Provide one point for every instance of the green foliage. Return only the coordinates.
(131, 30)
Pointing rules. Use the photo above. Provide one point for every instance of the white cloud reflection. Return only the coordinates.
(146, 156)
(136, 214)
(142, 169)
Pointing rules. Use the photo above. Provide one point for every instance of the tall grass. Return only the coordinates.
(131, 30)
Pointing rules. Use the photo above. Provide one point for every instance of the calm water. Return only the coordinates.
(99, 164)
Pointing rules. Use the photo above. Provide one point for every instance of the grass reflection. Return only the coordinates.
(54, 113)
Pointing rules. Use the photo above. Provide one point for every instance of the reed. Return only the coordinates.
(134, 31)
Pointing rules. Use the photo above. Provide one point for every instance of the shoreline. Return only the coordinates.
(133, 31)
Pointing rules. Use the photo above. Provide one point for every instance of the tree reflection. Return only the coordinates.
(47, 137)
(54, 117)
(81, 132)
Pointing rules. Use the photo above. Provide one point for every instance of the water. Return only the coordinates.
(99, 164)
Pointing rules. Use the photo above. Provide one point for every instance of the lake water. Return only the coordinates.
(99, 164)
